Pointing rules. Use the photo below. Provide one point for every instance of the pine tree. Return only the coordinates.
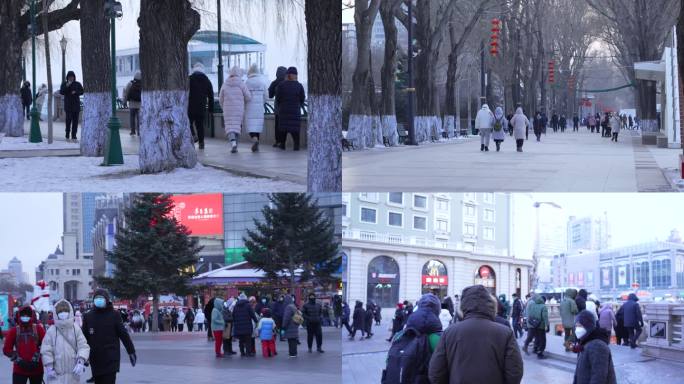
(153, 254)
(294, 235)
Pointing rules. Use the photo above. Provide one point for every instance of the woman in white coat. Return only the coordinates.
(254, 113)
(520, 124)
(199, 320)
(233, 97)
(484, 121)
(64, 349)
(499, 128)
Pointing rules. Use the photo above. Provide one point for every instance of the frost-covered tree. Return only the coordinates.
(14, 31)
(166, 26)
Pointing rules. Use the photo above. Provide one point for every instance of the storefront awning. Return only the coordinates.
(650, 70)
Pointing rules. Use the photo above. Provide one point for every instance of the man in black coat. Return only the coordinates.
(487, 344)
(26, 99)
(345, 317)
(207, 319)
(312, 313)
(277, 308)
(289, 101)
(358, 320)
(280, 136)
(72, 91)
(243, 316)
(103, 329)
(581, 300)
(516, 315)
(201, 92)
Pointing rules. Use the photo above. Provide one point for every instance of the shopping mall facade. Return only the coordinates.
(398, 246)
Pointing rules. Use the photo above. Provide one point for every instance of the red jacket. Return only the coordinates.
(26, 345)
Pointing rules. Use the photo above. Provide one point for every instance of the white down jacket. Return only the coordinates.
(254, 111)
(63, 344)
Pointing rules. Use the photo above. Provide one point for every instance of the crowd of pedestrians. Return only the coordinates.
(241, 98)
(495, 126)
(451, 340)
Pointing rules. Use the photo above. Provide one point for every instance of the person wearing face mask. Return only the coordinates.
(64, 349)
(594, 360)
(22, 346)
(313, 313)
(103, 329)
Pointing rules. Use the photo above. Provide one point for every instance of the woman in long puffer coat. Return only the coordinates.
(520, 124)
(499, 128)
(64, 349)
(233, 97)
(254, 113)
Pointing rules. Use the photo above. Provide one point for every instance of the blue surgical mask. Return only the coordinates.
(100, 302)
(24, 319)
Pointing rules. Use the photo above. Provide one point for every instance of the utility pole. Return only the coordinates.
(483, 82)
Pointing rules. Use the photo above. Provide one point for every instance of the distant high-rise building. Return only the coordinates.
(14, 267)
(79, 219)
(550, 240)
(588, 233)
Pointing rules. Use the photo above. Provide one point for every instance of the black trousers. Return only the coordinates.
(314, 330)
(519, 143)
(530, 336)
(295, 139)
(346, 325)
(517, 325)
(540, 340)
(633, 334)
(180, 327)
(292, 346)
(21, 379)
(254, 134)
(354, 329)
(27, 108)
(280, 136)
(198, 120)
(245, 344)
(105, 379)
(71, 119)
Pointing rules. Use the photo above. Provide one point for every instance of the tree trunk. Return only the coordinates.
(49, 72)
(155, 312)
(389, 67)
(361, 122)
(646, 95)
(325, 95)
(95, 47)
(11, 116)
(166, 26)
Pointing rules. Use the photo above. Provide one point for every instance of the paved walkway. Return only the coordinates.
(561, 162)
(364, 360)
(269, 162)
(183, 358)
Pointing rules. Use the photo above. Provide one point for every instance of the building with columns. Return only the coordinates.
(398, 246)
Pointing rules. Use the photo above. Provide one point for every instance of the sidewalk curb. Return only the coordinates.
(243, 173)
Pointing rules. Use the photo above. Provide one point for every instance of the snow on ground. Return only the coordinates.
(78, 174)
(22, 144)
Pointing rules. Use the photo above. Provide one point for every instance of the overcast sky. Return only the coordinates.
(31, 225)
(285, 42)
(30, 229)
(633, 218)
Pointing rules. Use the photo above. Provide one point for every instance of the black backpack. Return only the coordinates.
(408, 359)
(135, 92)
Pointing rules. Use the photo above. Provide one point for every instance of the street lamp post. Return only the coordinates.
(35, 136)
(23, 68)
(483, 82)
(220, 47)
(63, 45)
(113, 154)
(411, 90)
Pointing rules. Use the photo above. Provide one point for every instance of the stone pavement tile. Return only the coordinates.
(579, 162)
(182, 358)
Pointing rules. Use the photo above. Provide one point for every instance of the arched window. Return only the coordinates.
(383, 282)
(434, 278)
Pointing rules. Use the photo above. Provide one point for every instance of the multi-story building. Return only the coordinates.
(109, 218)
(15, 269)
(588, 233)
(79, 219)
(653, 269)
(550, 240)
(68, 275)
(400, 245)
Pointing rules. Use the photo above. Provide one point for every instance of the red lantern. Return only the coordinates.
(496, 28)
(552, 71)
